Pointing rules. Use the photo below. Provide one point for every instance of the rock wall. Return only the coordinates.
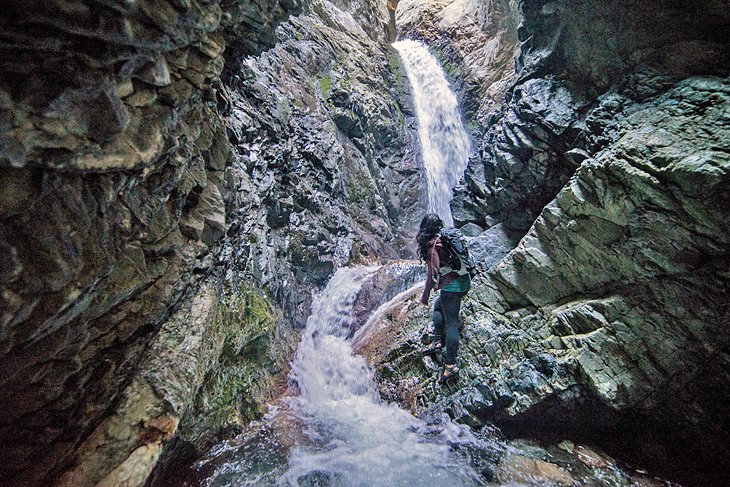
(570, 55)
(112, 155)
(159, 193)
(318, 132)
(607, 322)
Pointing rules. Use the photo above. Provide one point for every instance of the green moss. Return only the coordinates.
(396, 69)
(325, 85)
(295, 247)
(452, 70)
(345, 84)
(401, 117)
(237, 388)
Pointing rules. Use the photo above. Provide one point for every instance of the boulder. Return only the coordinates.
(490, 246)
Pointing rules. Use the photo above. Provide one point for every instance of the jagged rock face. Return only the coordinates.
(108, 147)
(250, 26)
(607, 322)
(567, 59)
(319, 154)
(129, 226)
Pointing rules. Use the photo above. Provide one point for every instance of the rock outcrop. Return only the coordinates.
(320, 154)
(607, 322)
(167, 206)
(112, 194)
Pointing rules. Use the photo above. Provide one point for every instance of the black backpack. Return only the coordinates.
(459, 260)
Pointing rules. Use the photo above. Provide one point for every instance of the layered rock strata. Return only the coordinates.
(162, 233)
(321, 152)
(112, 193)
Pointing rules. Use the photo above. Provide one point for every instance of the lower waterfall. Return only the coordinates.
(340, 431)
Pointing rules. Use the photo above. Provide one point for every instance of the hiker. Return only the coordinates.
(434, 249)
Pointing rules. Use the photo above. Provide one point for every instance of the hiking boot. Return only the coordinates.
(450, 372)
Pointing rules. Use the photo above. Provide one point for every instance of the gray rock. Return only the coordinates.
(593, 308)
(471, 230)
(490, 246)
(117, 209)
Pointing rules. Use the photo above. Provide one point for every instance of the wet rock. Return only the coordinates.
(10, 265)
(489, 247)
(518, 170)
(516, 468)
(595, 304)
(94, 112)
(324, 162)
(317, 479)
(155, 72)
(471, 230)
(116, 202)
(206, 221)
(394, 278)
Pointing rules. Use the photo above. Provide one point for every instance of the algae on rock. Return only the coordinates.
(253, 357)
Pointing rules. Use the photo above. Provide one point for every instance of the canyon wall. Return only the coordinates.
(608, 321)
(178, 179)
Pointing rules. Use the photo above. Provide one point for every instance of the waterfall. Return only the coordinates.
(338, 430)
(444, 142)
(348, 435)
(324, 369)
(360, 440)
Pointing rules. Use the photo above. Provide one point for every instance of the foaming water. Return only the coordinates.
(347, 435)
(335, 431)
(444, 142)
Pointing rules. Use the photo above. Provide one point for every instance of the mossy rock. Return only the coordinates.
(396, 70)
(253, 356)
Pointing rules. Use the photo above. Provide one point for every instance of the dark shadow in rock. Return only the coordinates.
(634, 437)
(490, 246)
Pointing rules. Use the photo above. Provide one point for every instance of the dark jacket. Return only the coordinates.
(435, 256)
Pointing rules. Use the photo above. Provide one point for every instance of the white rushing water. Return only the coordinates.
(342, 433)
(444, 142)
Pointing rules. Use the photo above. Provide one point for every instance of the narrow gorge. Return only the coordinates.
(208, 272)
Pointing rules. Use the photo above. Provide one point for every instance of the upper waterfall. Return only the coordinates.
(444, 142)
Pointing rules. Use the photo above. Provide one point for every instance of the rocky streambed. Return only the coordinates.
(332, 426)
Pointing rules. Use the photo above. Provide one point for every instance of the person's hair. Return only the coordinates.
(431, 225)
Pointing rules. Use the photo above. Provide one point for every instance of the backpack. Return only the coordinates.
(459, 260)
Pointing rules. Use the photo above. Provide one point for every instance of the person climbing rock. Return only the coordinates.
(442, 273)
